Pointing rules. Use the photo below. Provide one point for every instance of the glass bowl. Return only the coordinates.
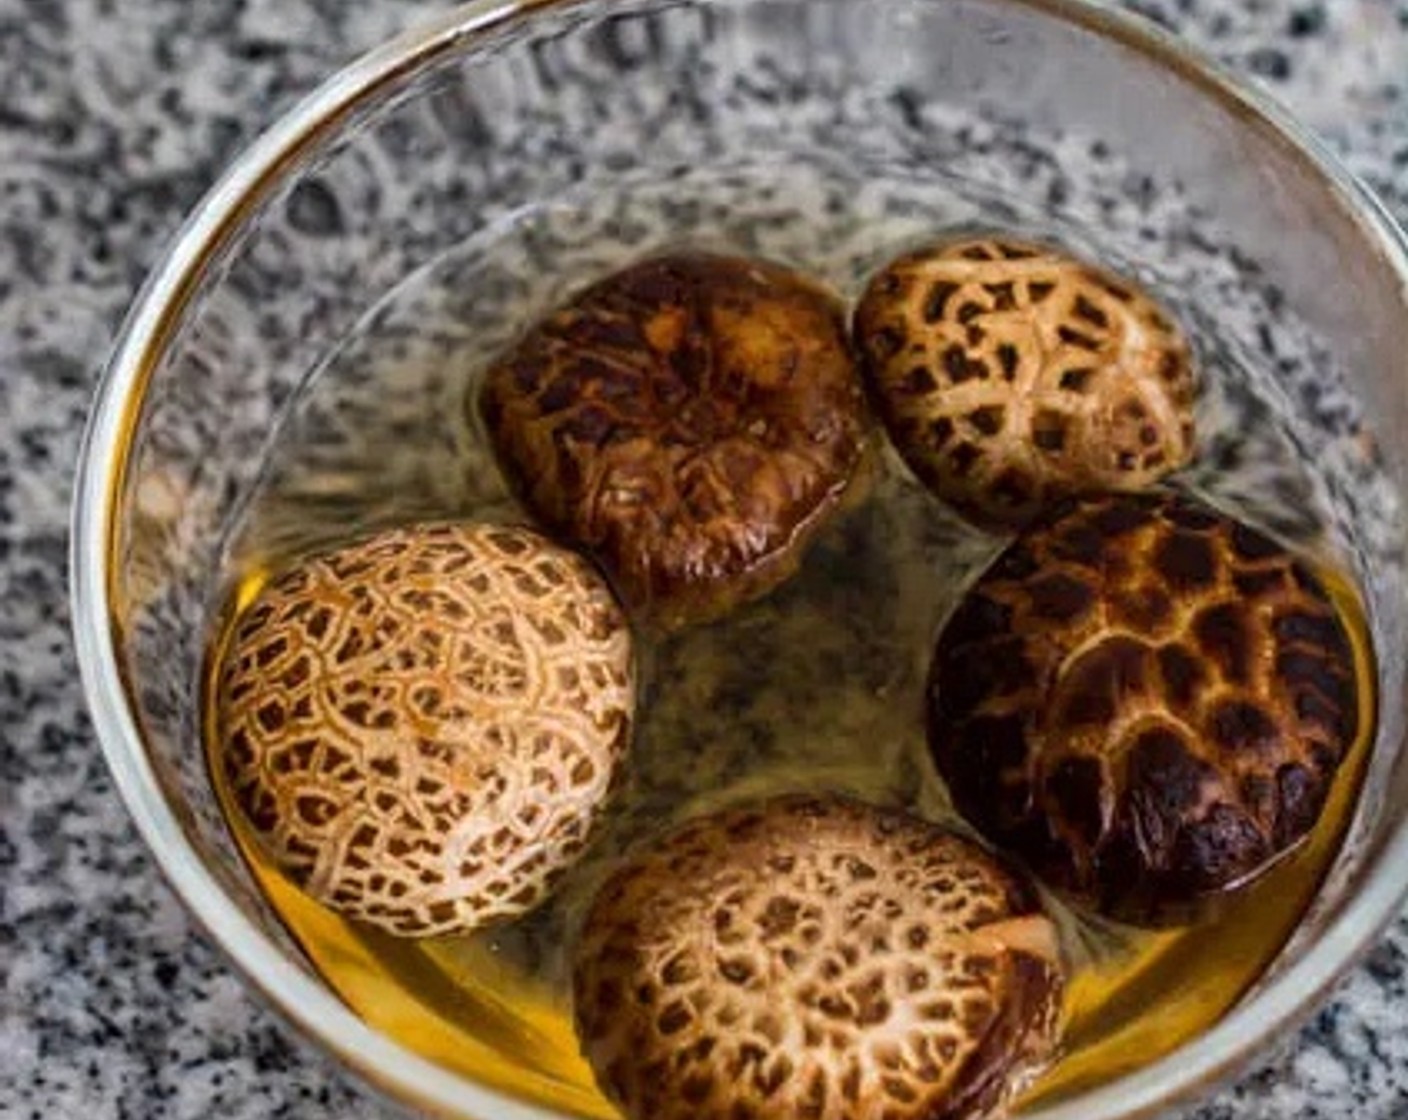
(1061, 116)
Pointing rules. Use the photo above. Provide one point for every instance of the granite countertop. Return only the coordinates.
(113, 119)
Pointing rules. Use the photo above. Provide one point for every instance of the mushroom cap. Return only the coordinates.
(422, 727)
(1010, 375)
(1144, 700)
(815, 957)
(688, 420)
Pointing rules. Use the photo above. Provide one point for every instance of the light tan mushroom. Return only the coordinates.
(1010, 375)
(818, 958)
(422, 727)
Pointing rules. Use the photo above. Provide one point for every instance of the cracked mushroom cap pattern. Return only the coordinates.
(689, 420)
(815, 958)
(422, 727)
(1145, 701)
(1010, 375)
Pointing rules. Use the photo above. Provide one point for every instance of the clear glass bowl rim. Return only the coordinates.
(104, 460)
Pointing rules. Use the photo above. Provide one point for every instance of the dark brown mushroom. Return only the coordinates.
(815, 957)
(1010, 375)
(689, 420)
(1144, 700)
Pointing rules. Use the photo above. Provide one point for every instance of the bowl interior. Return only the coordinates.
(400, 226)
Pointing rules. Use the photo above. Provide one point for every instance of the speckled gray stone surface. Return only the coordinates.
(113, 119)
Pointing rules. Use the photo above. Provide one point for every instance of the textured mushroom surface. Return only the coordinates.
(1144, 700)
(689, 420)
(422, 727)
(815, 958)
(1010, 375)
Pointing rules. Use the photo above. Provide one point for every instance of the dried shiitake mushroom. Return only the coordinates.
(689, 420)
(422, 727)
(815, 957)
(1144, 700)
(1010, 375)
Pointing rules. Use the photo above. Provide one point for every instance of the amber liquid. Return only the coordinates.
(818, 686)
(495, 1005)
